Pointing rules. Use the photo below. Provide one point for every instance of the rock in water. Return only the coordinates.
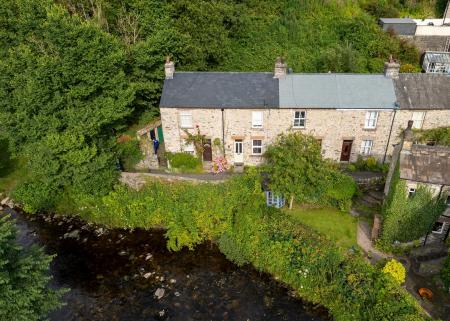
(159, 293)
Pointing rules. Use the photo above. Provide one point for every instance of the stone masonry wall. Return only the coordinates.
(330, 125)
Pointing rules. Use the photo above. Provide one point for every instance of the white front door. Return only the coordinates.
(238, 151)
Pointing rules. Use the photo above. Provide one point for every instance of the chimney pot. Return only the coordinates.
(391, 68)
(169, 68)
(280, 68)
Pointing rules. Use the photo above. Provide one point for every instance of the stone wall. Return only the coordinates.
(330, 125)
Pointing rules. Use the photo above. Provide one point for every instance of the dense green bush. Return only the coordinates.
(409, 218)
(184, 162)
(129, 153)
(369, 164)
(296, 169)
(440, 136)
(235, 215)
(25, 294)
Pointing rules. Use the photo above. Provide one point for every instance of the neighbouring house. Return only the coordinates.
(424, 165)
(349, 114)
(425, 34)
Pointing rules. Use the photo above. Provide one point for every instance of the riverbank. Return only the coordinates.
(234, 214)
(114, 273)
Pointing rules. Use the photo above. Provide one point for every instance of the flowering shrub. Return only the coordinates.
(396, 270)
(220, 165)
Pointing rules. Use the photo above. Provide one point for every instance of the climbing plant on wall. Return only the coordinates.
(408, 218)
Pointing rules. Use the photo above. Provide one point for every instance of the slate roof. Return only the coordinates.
(397, 20)
(220, 90)
(423, 91)
(342, 91)
(427, 164)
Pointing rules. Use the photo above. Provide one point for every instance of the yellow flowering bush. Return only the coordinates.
(396, 270)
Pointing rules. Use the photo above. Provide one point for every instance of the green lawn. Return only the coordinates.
(338, 226)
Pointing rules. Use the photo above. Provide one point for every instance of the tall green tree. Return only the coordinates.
(24, 276)
(296, 169)
(63, 90)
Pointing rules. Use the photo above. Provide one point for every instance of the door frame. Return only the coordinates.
(346, 142)
(238, 157)
(207, 141)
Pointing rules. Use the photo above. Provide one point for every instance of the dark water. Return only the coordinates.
(113, 275)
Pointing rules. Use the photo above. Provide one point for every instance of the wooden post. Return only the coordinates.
(291, 201)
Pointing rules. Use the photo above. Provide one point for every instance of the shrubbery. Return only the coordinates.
(129, 153)
(184, 162)
(409, 218)
(396, 270)
(235, 215)
(368, 164)
(296, 169)
(439, 136)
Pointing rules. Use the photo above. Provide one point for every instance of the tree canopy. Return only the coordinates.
(24, 278)
(296, 169)
(75, 73)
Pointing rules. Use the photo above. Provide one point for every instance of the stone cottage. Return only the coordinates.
(424, 165)
(350, 114)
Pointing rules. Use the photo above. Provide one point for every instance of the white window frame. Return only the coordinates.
(366, 147)
(411, 191)
(371, 120)
(183, 118)
(256, 146)
(300, 121)
(189, 148)
(441, 230)
(257, 119)
(418, 118)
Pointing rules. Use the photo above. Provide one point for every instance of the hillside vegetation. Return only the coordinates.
(74, 74)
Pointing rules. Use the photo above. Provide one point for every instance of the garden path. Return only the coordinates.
(138, 180)
(364, 241)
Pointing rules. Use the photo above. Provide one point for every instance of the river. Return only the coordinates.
(113, 275)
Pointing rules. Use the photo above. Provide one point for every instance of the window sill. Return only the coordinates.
(257, 128)
(296, 127)
(256, 155)
(186, 127)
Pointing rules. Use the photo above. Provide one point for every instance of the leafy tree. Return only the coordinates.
(296, 169)
(24, 277)
(64, 88)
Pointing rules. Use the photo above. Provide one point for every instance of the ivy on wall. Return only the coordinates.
(409, 218)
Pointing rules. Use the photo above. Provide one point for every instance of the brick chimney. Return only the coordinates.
(280, 68)
(408, 138)
(169, 68)
(391, 68)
